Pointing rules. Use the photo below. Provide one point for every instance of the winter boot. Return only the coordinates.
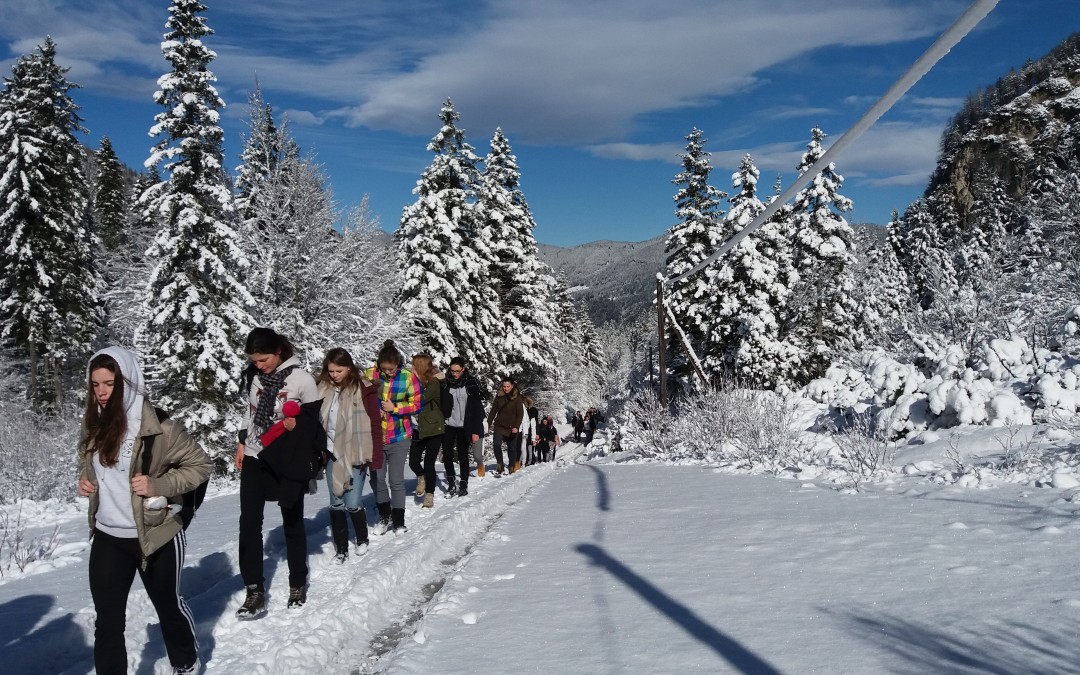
(254, 605)
(297, 597)
(359, 522)
(429, 500)
(193, 669)
(397, 521)
(479, 470)
(384, 517)
(463, 488)
(451, 487)
(419, 486)
(499, 469)
(339, 532)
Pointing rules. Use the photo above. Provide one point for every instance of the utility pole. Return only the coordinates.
(661, 339)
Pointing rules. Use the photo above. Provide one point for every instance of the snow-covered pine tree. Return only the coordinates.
(197, 307)
(822, 318)
(921, 252)
(751, 289)
(982, 247)
(126, 270)
(49, 291)
(264, 149)
(447, 289)
(885, 297)
(113, 200)
(580, 373)
(695, 237)
(521, 282)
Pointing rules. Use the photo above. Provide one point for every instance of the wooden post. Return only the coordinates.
(661, 341)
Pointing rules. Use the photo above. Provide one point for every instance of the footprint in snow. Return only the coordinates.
(1050, 529)
(965, 569)
(474, 589)
(469, 618)
(956, 526)
(1068, 602)
(504, 577)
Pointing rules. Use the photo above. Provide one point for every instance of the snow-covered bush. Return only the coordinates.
(720, 425)
(37, 455)
(1000, 382)
(16, 550)
(864, 448)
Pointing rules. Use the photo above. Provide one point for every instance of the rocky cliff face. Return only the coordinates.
(1019, 136)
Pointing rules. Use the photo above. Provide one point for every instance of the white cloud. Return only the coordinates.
(667, 152)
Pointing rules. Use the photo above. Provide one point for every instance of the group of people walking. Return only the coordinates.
(586, 424)
(360, 426)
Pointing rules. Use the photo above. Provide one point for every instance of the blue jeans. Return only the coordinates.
(353, 499)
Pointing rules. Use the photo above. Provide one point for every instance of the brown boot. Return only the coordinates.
(479, 470)
(429, 500)
(419, 486)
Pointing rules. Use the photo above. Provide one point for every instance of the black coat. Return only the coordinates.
(547, 433)
(295, 457)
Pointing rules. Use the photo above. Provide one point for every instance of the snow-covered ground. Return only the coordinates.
(608, 566)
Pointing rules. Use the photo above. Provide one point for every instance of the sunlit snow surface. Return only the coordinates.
(611, 567)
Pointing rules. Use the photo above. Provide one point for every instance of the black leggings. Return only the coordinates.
(426, 449)
(113, 564)
(456, 444)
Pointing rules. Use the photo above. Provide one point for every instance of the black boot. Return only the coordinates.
(397, 518)
(339, 531)
(254, 604)
(384, 516)
(463, 488)
(451, 486)
(359, 523)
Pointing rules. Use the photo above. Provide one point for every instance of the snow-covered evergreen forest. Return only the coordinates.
(179, 259)
(964, 313)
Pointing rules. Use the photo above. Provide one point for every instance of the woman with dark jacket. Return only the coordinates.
(133, 527)
(430, 427)
(353, 422)
(276, 377)
(548, 439)
(463, 406)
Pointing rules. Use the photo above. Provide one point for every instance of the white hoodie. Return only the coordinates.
(114, 515)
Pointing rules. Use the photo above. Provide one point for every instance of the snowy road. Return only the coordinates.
(607, 568)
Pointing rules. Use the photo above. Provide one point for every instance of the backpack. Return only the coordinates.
(191, 500)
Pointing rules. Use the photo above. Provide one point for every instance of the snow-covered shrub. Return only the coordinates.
(18, 551)
(649, 430)
(865, 449)
(37, 455)
(748, 428)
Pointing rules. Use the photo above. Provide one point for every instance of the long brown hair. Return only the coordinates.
(340, 357)
(105, 428)
(424, 368)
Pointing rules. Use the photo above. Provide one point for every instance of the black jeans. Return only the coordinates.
(456, 444)
(422, 456)
(113, 564)
(252, 504)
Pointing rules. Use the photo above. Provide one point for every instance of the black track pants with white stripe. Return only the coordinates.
(113, 564)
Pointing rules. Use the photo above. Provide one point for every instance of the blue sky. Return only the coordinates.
(595, 97)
